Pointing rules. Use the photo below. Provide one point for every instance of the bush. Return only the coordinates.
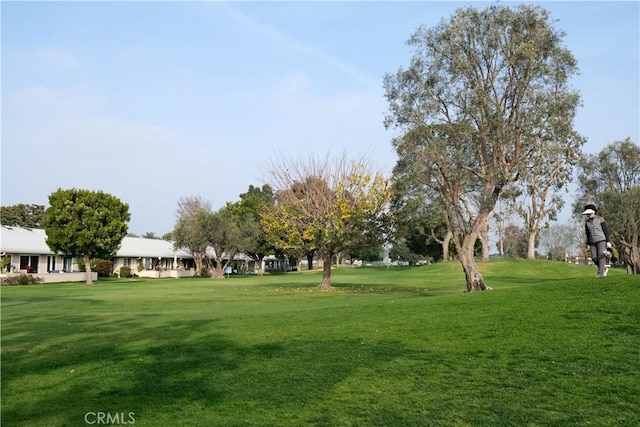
(20, 280)
(125, 272)
(103, 267)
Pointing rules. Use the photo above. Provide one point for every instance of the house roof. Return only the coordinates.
(140, 247)
(18, 240)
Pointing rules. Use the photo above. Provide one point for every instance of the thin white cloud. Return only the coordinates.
(278, 36)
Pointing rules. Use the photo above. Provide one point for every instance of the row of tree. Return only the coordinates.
(484, 118)
(335, 207)
(330, 206)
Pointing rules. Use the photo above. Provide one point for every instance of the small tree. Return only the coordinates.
(247, 210)
(222, 232)
(329, 204)
(188, 234)
(515, 241)
(217, 231)
(557, 240)
(185, 233)
(85, 223)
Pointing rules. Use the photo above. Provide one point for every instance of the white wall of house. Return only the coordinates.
(42, 264)
(163, 274)
(148, 265)
(66, 277)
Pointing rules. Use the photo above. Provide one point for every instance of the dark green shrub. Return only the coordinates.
(125, 272)
(20, 280)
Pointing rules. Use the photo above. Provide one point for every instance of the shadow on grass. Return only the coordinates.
(166, 373)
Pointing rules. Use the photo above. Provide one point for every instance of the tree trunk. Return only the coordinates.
(531, 248)
(475, 282)
(217, 271)
(197, 258)
(216, 274)
(87, 269)
(309, 260)
(484, 239)
(630, 255)
(325, 285)
(445, 246)
(261, 266)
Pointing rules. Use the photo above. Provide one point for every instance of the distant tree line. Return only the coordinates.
(22, 215)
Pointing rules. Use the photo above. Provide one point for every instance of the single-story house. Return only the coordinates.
(27, 252)
(153, 258)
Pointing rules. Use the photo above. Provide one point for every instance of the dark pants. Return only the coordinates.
(598, 257)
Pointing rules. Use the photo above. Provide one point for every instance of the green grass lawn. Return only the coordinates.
(399, 346)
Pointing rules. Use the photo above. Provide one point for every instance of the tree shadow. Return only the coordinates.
(168, 373)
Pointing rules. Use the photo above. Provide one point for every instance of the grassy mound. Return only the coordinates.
(551, 345)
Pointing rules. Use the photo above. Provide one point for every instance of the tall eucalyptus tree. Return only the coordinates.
(486, 94)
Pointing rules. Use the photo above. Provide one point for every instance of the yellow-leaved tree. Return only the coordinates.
(327, 204)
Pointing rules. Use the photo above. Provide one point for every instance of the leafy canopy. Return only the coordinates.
(329, 205)
(21, 215)
(83, 222)
(331, 216)
(485, 99)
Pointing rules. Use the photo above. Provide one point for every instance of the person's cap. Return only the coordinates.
(589, 209)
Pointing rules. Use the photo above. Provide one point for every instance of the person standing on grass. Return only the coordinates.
(597, 238)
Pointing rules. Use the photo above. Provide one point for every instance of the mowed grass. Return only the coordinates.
(551, 345)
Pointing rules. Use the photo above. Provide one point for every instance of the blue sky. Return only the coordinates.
(153, 101)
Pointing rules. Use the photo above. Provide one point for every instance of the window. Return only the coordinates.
(51, 263)
(29, 263)
(67, 264)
